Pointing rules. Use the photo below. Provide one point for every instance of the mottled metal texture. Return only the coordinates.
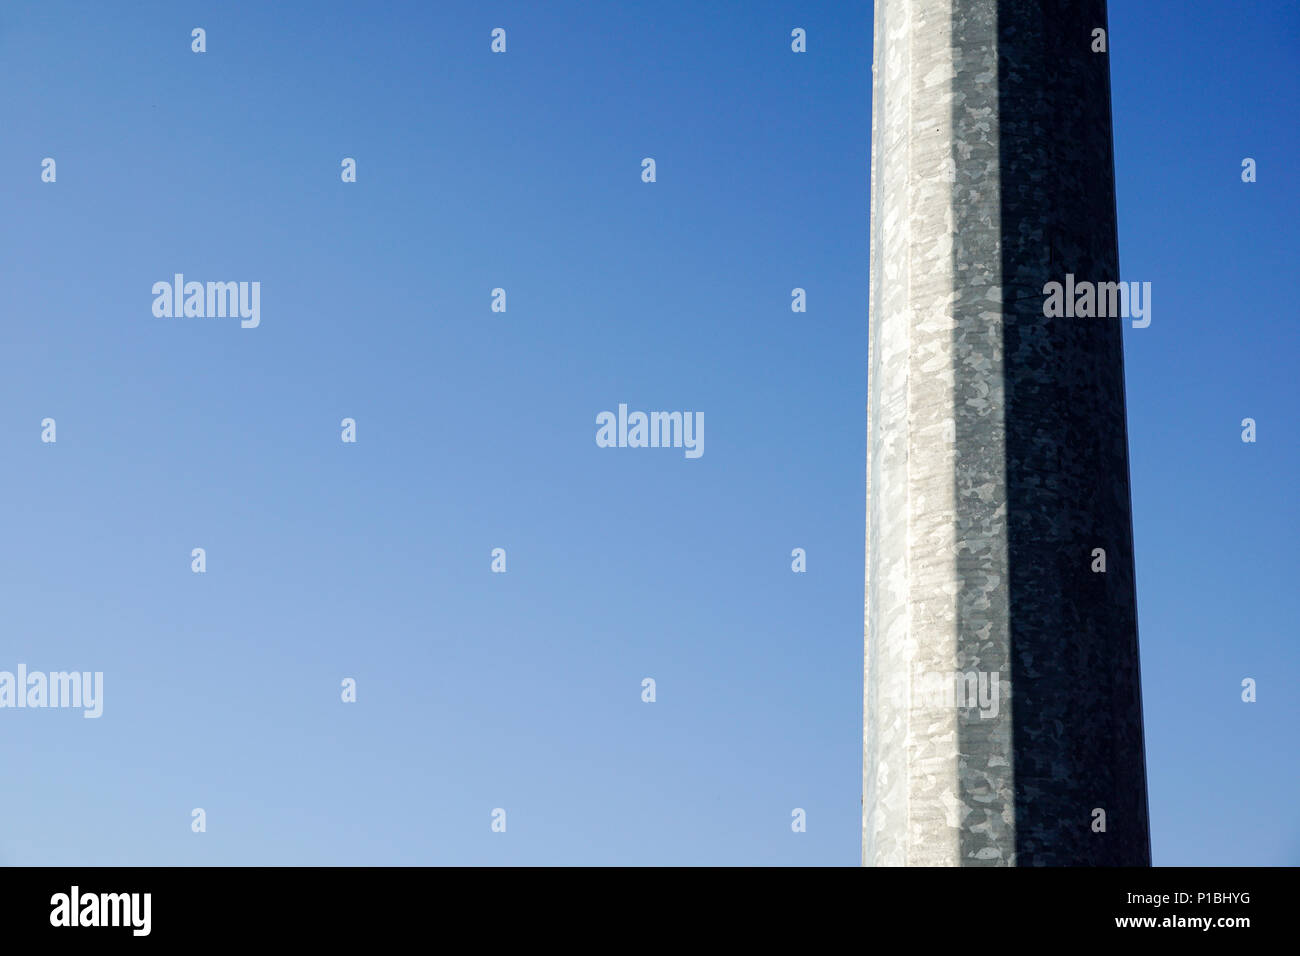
(997, 447)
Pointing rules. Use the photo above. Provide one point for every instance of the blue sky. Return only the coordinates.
(475, 429)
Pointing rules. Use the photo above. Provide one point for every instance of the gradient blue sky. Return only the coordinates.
(476, 430)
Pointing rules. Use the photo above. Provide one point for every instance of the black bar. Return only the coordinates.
(640, 908)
